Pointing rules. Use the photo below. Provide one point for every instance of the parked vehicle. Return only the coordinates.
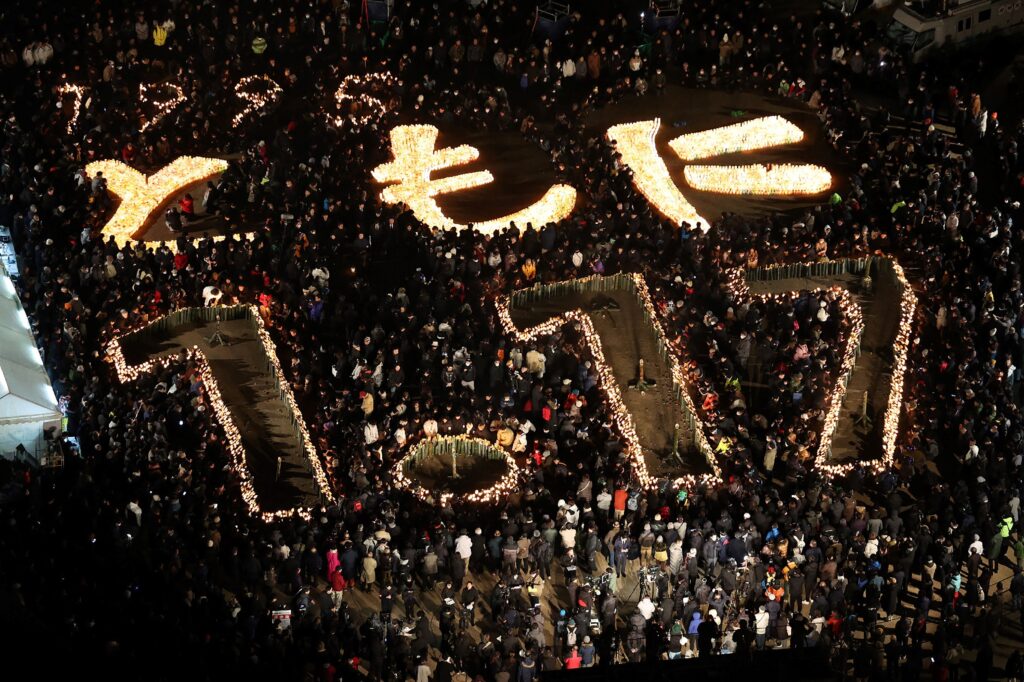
(920, 30)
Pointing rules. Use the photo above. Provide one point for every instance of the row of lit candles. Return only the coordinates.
(606, 382)
(901, 349)
(760, 179)
(128, 373)
(678, 375)
(257, 100)
(894, 405)
(348, 92)
(270, 350)
(758, 133)
(79, 94)
(141, 196)
(162, 108)
(496, 492)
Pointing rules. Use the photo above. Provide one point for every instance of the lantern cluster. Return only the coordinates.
(759, 179)
(900, 349)
(415, 158)
(142, 197)
(635, 144)
(757, 133)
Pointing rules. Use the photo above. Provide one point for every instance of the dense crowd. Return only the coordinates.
(138, 554)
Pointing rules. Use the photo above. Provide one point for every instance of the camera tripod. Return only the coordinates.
(217, 338)
(646, 583)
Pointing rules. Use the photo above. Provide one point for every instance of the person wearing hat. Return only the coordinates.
(761, 626)
(588, 653)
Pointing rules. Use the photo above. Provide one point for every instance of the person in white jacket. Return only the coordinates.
(761, 626)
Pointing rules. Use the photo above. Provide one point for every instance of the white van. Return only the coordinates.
(920, 31)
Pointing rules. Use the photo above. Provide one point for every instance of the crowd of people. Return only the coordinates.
(138, 554)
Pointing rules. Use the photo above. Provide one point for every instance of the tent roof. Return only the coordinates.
(25, 390)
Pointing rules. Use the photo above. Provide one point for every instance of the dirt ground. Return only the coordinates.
(434, 472)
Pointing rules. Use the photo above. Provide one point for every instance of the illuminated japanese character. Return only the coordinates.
(415, 158)
(142, 197)
(258, 97)
(635, 143)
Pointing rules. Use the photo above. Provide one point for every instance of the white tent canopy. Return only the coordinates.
(27, 402)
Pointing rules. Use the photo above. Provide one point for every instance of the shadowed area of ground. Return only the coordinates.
(434, 472)
(249, 391)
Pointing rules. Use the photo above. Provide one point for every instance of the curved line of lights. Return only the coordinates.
(499, 490)
(162, 108)
(256, 100)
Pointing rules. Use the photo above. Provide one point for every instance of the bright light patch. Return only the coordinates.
(759, 179)
(635, 143)
(141, 196)
(758, 133)
(415, 158)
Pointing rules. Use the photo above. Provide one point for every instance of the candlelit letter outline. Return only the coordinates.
(141, 196)
(127, 373)
(416, 157)
(256, 100)
(607, 384)
(162, 108)
(635, 143)
(375, 106)
(78, 92)
(852, 311)
(457, 446)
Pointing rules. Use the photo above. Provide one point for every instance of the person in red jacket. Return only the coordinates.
(338, 586)
(573, 660)
(188, 207)
(128, 153)
(619, 502)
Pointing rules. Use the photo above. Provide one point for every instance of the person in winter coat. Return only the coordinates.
(368, 577)
(337, 587)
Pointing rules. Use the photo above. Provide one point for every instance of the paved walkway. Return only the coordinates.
(249, 390)
(1005, 623)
